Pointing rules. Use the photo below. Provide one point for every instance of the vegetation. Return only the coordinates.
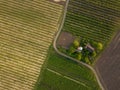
(94, 54)
(79, 56)
(67, 68)
(26, 31)
(95, 20)
(84, 50)
(52, 81)
(71, 50)
(76, 43)
(99, 46)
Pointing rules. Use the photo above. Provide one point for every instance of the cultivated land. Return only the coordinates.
(64, 74)
(27, 28)
(108, 65)
(93, 20)
(98, 20)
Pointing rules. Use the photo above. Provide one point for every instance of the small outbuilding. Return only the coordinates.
(89, 48)
(79, 49)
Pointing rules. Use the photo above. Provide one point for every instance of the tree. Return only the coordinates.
(76, 43)
(87, 60)
(71, 50)
(99, 46)
(94, 54)
(79, 56)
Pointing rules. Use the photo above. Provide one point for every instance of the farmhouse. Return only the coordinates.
(89, 48)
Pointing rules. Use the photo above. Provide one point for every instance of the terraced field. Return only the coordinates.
(27, 28)
(93, 19)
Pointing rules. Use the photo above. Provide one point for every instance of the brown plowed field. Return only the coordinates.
(108, 65)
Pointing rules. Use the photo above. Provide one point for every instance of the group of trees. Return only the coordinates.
(85, 55)
(97, 45)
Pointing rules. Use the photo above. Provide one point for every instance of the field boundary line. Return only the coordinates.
(73, 59)
(67, 77)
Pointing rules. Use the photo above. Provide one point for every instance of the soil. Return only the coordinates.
(61, 2)
(108, 65)
(65, 40)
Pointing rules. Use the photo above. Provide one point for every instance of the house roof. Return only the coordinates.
(89, 47)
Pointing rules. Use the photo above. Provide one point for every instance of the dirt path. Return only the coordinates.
(108, 66)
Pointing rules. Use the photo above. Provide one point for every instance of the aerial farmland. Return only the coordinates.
(27, 29)
(59, 44)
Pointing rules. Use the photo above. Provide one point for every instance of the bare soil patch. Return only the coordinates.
(108, 65)
(65, 40)
(61, 2)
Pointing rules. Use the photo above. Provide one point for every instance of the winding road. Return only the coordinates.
(62, 54)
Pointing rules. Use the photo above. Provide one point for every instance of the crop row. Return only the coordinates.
(37, 4)
(45, 8)
(111, 4)
(98, 16)
(90, 21)
(86, 22)
(27, 29)
(94, 8)
(95, 11)
(89, 32)
(27, 36)
(31, 27)
(26, 54)
(13, 78)
(27, 16)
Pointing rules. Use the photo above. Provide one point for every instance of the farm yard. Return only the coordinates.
(64, 74)
(108, 65)
(27, 28)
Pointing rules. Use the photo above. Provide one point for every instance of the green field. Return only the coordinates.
(66, 67)
(52, 81)
(96, 20)
(27, 28)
